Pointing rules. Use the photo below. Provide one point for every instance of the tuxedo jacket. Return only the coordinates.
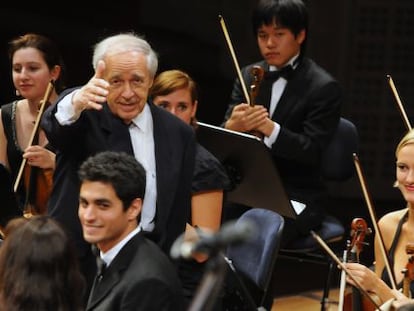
(140, 277)
(308, 113)
(97, 131)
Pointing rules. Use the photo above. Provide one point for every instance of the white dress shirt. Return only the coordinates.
(277, 90)
(142, 138)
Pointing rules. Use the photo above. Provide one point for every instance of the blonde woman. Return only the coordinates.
(397, 229)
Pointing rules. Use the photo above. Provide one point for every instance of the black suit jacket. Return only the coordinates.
(308, 113)
(140, 277)
(97, 131)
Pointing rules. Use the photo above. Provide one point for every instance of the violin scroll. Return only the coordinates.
(359, 230)
(257, 73)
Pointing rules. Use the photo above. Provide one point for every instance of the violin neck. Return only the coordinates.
(356, 299)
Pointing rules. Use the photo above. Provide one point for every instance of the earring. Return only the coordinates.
(17, 93)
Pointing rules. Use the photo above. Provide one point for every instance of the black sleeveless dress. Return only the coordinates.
(385, 277)
(14, 152)
(11, 207)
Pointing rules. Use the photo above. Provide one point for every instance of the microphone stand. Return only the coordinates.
(211, 284)
(214, 245)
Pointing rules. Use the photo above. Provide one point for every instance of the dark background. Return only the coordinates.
(358, 41)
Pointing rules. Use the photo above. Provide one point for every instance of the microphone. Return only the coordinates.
(231, 233)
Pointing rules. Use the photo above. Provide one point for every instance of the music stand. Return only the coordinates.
(255, 178)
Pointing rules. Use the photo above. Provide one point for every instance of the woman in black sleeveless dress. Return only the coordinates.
(397, 230)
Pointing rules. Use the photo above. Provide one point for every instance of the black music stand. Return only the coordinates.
(255, 178)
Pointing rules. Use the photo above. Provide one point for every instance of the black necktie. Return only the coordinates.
(284, 72)
(100, 264)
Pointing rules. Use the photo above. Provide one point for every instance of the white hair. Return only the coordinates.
(122, 43)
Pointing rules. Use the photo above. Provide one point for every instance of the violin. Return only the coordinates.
(347, 272)
(408, 271)
(257, 73)
(354, 301)
(37, 182)
(359, 230)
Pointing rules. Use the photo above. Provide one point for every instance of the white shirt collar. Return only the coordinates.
(110, 255)
(292, 62)
(143, 119)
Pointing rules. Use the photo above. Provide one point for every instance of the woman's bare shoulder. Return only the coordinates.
(389, 221)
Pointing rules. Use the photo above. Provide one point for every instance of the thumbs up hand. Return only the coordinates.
(93, 94)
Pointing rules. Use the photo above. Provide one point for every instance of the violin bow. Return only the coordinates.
(342, 283)
(233, 55)
(399, 103)
(343, 267)
(42, 106)
(374, 220)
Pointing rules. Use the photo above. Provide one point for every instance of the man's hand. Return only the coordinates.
(93, 94)
(245, 118)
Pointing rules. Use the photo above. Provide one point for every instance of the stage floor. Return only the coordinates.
(306, 301)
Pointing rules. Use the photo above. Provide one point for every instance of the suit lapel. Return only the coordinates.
(114, 272)
(283, 108)
(101, 288)
(165, 164)
(117, 132)
(290, 94)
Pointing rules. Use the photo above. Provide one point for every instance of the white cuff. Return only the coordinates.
(269, 141)
(65, 113)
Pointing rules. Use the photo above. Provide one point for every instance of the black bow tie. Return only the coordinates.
(284, 72)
